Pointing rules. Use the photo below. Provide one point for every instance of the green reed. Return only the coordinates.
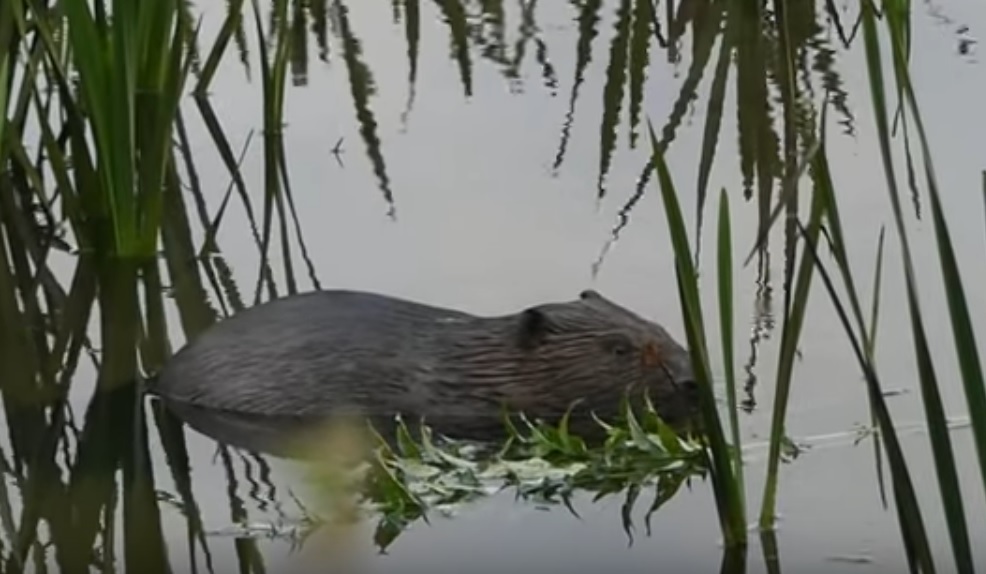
(110, 157)
(895, 16)
(132, 66)
(861, 333)
(746, 32)
(725, 478)
(118, 72)
(98, 86)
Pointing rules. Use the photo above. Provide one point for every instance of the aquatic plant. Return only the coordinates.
(359, 474)
(96, 164)
(861, 333)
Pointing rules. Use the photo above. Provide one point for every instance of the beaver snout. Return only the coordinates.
(690, 391)
(688, 386)
(678, 406)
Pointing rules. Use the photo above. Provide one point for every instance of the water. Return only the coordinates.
(473, 213)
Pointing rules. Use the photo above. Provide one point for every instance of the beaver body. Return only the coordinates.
(338, 352)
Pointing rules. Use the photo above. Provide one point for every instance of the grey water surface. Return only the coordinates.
(472, 210)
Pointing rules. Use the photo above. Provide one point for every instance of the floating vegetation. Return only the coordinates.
(408, 479)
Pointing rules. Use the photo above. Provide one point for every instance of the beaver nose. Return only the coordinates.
(689, 386)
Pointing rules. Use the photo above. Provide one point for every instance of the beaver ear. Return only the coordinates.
(590, 294)
(533, 327)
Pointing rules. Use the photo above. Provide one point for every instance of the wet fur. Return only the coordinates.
(326, 352)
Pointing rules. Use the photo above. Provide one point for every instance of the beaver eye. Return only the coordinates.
(618, 346)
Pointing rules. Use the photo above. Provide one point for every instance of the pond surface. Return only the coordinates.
(489, 201)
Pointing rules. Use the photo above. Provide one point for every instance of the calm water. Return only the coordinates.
(483, 219)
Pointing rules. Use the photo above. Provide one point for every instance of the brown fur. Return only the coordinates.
(327, 352)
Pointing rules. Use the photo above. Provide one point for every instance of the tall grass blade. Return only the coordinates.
(823, 185)
(106, 98)
(299, 236)
(909, 517)
(186, 285)
(794, 313)
(728, 501)
(966, 347)
(195, 315)
(232, 23)
(870, 348)
(225, 150)
(934, 410)
(909, 514)
(725, 274)
(272, 85)
(875, 304)
(129, 88)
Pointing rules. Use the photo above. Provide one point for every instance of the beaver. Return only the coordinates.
(340, 352)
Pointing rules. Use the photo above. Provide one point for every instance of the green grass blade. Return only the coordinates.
(232, 22)
(870, 348)
(162, 97)
(910, 520)
(225, 150)
(823, 186)
(725, 260)
(966, 347)
(794, 314)
(934, 411)
(273, 75)
(732, 520)
(90, 54)
(875, 304)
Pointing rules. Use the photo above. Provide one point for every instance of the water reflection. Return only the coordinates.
(762, 327)
(262, 434)
(76, 331)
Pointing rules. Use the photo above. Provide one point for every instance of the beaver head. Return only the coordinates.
(596, 352)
